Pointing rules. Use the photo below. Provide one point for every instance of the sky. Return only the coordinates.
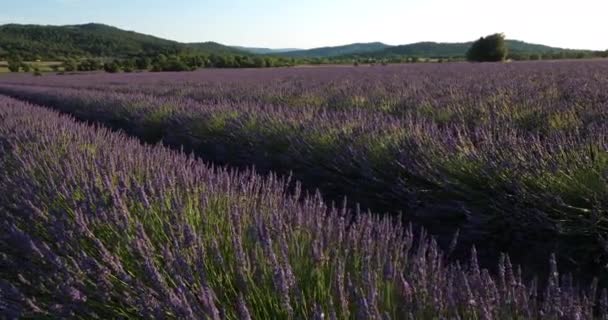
(305, 24)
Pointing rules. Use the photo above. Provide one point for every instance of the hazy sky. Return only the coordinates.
(313, 23)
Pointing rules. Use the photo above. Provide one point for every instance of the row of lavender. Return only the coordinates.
(530, 96)
(99, 211)
(96, 225)
(513, 155)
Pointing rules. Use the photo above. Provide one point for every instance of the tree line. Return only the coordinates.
(494, 48)
(489, 48)
(159, 63)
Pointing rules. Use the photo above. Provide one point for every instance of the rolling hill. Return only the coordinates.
(265, 50)
(419, 49)
(99, 40)
(91, 40)
(328, 52)
(436, 49)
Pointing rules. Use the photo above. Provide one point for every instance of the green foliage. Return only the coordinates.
(14, 65)
(488, 49)
(37, 72)
(128, 65)
(327, 52)
(194, 62)
(112, 67)
(26, 67)
(259, 62)
(69, 66)
(142, 63)
(93, 40)
(89, 65)
(86, 41)
(175, 64)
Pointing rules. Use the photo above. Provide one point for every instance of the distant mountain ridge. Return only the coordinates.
(328, 52)
(438, 49)
(418, 49)
(100, 40)
(265, 50)
(92, 40)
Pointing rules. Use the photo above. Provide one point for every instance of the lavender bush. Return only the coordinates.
(96, 225)
(514, 155)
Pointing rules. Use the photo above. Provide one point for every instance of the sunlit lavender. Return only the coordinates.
(97, 225)
(512, 155)
(300, 193)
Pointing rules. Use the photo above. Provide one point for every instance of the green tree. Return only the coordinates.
(128, 65)
(111, 67)
(89, 65)
(142, 63)
(26, 67)
(193, 62)
(174, 64)
(69, 66)
(490, 48)
(269, 62)
(259, 62)
(14, 65)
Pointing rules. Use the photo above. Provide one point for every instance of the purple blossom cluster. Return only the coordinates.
(512, 155)
(98, 226)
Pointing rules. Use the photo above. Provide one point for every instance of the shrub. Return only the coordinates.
(26, 67)
(111, 67)
(490, 48)
(14, 66)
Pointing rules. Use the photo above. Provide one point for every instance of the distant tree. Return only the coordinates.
(14, 65)
(160, 58)
(581, 55)
(259, 62)
(174, 64)
(111, 67)
(69, 66)
(128, 65)
(37, 72)
(193, 62)
(269, 62)
(242, 62)
(142, 63)
(156, 67)
(89, 65)
(26, 67)
(490, 48)
(558, 55)
(518, 56)
(229, 61)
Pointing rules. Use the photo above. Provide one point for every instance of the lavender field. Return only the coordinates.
(511, 157)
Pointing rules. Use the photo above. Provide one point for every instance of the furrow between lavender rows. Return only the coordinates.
(97, 225)
(503, 188)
